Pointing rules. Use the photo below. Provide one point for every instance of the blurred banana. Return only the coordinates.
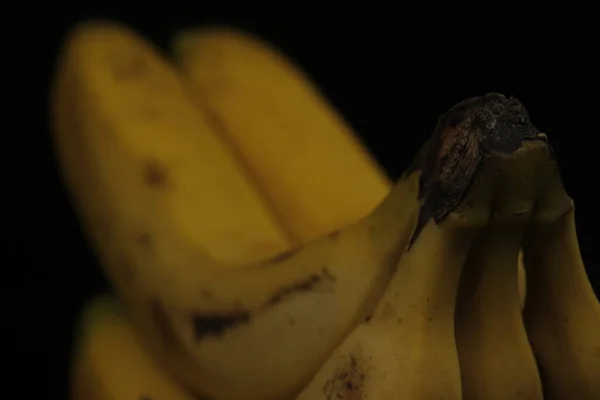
(311, 168)
(261, 252)
(127, 135)
(110, 363)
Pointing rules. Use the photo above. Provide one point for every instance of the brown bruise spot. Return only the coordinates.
(347, 383)
(464, 137)
(155, 174)
(305, 285)
(127, 67)
(334, 234)
(206, 294)
(216, 324)
(281, 257)
(144, 239)
(302, 286)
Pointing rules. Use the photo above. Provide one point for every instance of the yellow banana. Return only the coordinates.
(496, 360)
(114, 99)
(183, 232)
(111, 364)
(127, 137)
(318, 177)
(406, 349)
(562, 314)
(259, 100)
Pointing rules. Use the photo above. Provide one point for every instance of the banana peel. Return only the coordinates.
(327, 280)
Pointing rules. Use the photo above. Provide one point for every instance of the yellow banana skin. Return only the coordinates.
(496, 361)
(406, 350)
(261, 100)
(562, 313)
(124, 135)
(111, 364)
(232, 329)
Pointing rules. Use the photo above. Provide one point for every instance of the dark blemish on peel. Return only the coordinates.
(155, 174)
(301, 286)
(368, 318)
(347, 382)
(211, 325)
(281, 257)
(216, 324)
(334, 234)
(144, 239)
(127, 67)
(306, 285)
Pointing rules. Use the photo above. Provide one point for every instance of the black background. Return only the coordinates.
(390, 73)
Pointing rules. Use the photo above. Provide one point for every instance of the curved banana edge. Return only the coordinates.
(496, 360)
(239, 333)
(231, 331)
(261, 100)
(110, 363)
(406, 349)
(562, 313)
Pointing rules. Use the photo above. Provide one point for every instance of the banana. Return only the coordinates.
(496, 360)
(318, 176)
(484, 156)
(111, 364)
(562, 313)
(258, 99)
(406, 350)
(242, 218)
(177, 233)
(127, 134)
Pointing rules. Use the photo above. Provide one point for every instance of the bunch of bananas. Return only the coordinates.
(258, 252)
